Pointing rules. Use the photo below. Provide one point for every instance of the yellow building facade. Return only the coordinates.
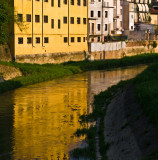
(50, 26)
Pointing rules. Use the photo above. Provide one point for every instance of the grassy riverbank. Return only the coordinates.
(35, 73)
(146, 91)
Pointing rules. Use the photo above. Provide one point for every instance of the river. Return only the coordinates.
(39, 121)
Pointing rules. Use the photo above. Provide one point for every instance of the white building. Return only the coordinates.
(100, 19)
(135, 12)
(118, 24)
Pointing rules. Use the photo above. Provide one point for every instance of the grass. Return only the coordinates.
(104, 98)
(90, 150)
(146, 90)
(35, 73)
(114, 63)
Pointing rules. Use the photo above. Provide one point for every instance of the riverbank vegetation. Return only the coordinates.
(146, 92)
(6, 18)
(35, 73)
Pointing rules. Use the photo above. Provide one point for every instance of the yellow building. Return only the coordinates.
(49, 26)
(154, 16)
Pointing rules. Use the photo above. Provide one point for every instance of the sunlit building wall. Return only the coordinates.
(49, 26)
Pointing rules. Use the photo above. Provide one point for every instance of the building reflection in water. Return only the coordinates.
(46, 115)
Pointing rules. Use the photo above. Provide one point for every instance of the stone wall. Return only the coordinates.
(8, 72)
(1, 79)
(51, 58)
(131, 49)
(5, 54)
(108, 46)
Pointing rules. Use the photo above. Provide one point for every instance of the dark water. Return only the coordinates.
(39, 121)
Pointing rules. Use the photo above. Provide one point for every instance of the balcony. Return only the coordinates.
(106, 5)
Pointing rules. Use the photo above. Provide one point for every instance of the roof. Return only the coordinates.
(153, 11)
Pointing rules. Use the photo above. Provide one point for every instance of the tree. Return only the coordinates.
(6, 18)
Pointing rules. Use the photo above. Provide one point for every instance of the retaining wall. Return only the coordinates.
(116, 50)
(5, 54)
(51, 57)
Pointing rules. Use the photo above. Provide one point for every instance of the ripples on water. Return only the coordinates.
(39, 121)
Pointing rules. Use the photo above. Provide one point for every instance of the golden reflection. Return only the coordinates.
(45, 118)
(46, 115)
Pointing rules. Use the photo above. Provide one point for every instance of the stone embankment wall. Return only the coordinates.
(1, 79)
(116, 50)
(109, 50)
(98, 51)
(8, 72)
(51, 57)
(5, 53)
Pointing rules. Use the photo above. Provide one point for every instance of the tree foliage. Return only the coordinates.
(6, 18)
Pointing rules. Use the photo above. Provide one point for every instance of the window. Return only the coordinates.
(78, 20)
(98, 27)
(106, 27)
(45, 19)
(52, 3)
(28, 17)
(29, 40)
(72, 2)
(19, 17)
(20, 40)
(78, 39)
(84, 3)
(98, 39)
(72, 39)
(78, 2)
(52, 23)
(65, 1)
(58, 3)
(84, 21)
(99, 13)
(58, 23)
(84, 39)
(46, 40)
(65, 39)
(45, 0)
(65, 20)
(37, 18)
(92, 13)
(72, 20)
(37, 39)
(106, 14)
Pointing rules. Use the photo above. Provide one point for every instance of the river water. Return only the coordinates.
(39, 121)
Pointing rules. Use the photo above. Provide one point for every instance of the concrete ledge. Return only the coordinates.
(51, 57)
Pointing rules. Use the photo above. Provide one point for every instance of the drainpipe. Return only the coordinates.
(32, 24)
(102, 22)
(116, 15)
(68, 23)
(87, 23)
(42, 23)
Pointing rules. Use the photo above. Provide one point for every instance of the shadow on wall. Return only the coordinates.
(5, 54)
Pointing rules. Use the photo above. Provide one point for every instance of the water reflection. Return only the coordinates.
(46, 115)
